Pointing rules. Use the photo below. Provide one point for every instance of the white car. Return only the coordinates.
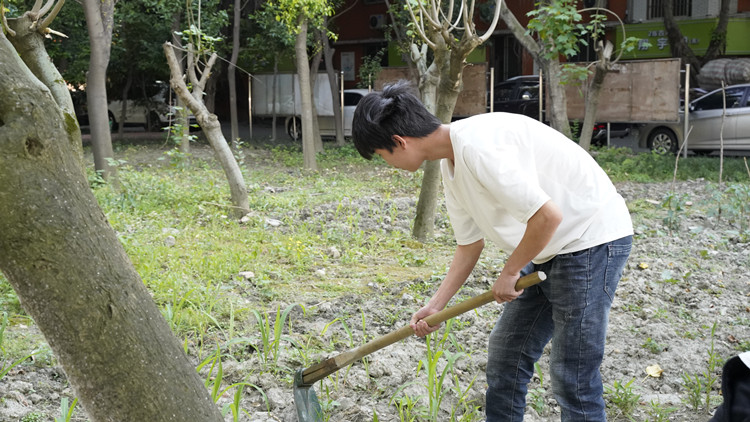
(153, 114)
(327, 124)
(710, 123)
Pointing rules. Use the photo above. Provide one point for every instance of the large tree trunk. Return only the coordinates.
(99, 18)
(209, 123)
(72, 275)
(303, 72)
(235, 131)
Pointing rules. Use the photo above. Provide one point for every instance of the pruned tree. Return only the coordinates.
(209, 122)
(72, 275)
(328, 51)
(562, 32)
(448, 30)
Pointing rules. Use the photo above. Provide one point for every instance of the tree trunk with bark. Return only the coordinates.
(99, 20)
(303, 72)
(72, 275)
(603, 64)
(208, 122)
(333, 78)
(235, 131)
(181, 121)
(314, 66)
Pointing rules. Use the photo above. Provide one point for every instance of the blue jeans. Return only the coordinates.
(571, 307)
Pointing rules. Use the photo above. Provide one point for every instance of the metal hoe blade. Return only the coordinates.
(306, 401)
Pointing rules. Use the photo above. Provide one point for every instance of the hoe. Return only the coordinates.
(305, 399)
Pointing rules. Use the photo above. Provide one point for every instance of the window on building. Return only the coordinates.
(679, 8)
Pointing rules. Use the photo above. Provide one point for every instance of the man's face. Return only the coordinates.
(402, 157)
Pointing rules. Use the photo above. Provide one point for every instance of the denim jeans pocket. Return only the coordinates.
(618, 252)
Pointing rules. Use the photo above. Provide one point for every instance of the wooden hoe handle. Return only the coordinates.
(331, 365)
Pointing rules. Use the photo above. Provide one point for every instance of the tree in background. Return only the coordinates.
(450, 34)
(231, 78)
(299, 16)
(197, 77)
(71, 273)
(99, 21)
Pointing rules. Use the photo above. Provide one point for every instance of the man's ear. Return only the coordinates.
(399, 141)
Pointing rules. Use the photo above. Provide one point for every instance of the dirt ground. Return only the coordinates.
(676, 288)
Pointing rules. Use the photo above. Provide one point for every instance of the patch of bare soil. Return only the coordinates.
(684, 295)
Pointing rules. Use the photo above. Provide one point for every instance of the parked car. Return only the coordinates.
(153, 114)
(326, 124)
(709, 121)
(519, 94)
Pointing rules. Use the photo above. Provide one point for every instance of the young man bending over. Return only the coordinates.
(544, 200)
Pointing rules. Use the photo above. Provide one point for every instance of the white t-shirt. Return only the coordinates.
(506, 166)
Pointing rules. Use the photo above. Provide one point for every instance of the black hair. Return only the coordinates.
(394, 111)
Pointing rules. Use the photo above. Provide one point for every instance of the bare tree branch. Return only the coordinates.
(495, 19)
(48, 20)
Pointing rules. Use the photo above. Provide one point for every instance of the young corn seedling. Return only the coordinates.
(435, 377)
(350, 345)
(213, 383)
(622, 397)
(658, 413)
(271, 339)
(467, 409)
(408, 408)
(700, 386)
(536, 395)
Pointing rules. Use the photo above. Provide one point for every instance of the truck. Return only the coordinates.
(286, 102)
